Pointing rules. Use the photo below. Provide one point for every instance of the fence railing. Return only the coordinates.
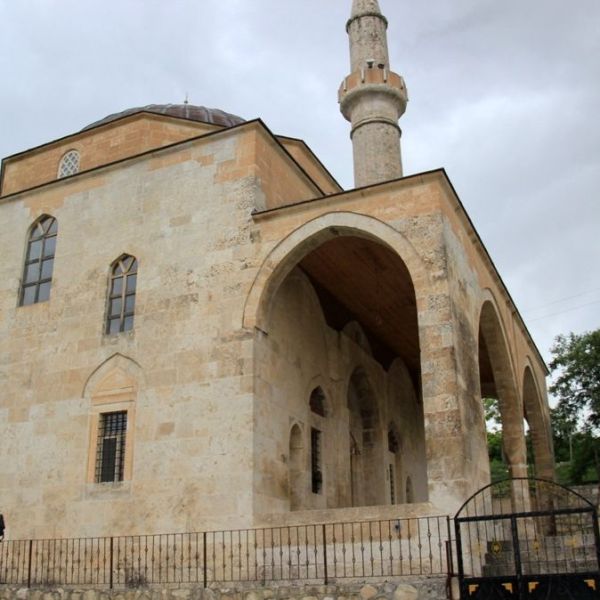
(309, 553)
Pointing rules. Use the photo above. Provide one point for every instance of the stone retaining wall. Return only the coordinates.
(424, 588)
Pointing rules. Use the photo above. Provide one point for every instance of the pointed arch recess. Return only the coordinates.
(115, 362)
(366, 444)
(296, 462)
(112, 388)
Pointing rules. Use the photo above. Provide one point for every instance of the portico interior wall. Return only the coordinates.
(298, 353)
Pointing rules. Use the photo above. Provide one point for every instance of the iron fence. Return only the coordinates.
(308, 553)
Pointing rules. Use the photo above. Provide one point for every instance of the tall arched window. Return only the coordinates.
(69, 164)
(394, 464)
(39, 261)
(121, 295)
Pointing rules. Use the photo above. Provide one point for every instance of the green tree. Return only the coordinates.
(576, 361)
(576, 418)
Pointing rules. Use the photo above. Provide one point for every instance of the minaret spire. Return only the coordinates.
(372, 97)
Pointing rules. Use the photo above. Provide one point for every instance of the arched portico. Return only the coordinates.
(355, 266)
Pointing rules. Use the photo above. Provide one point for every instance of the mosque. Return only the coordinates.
(199, 328)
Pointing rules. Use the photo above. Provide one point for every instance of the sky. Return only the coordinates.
(504, 95)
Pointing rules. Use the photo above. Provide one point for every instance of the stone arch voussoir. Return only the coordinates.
(297, 244)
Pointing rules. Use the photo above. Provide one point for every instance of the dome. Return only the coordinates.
(183, 111)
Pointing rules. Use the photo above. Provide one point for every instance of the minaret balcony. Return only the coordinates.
(371, 80)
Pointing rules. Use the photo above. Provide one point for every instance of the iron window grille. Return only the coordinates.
(110, 453)
(121, 296)
(69, 164)
(315, 461)
(392, 484)
(39, 262)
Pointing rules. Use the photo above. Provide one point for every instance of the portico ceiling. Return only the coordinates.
(359, 279)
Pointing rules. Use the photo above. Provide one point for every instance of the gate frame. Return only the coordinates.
(520, 581)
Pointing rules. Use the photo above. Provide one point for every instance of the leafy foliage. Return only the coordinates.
(576, 418)
(576, 359)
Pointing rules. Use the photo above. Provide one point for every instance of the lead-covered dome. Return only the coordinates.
(183, 111)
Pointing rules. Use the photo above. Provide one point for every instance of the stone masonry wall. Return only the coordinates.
(424, 588)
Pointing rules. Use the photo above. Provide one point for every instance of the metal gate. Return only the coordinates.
(528, 539)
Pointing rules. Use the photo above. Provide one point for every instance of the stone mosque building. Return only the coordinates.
(200, 328)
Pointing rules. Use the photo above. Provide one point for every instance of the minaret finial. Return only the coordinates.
(372, 97)
(364, 7)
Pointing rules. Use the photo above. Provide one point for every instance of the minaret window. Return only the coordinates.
(39, 261)
(69, 164)
(121, 295)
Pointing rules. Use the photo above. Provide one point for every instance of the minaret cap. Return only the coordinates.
(360, 7)
(365, 8)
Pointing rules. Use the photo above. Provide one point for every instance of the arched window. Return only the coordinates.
(121, 295)
(296, 449)
(393, 444)
(317, 402)
(39, 261)
(394, 463)
(69, 164)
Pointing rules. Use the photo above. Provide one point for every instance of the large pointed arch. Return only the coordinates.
(300, 242)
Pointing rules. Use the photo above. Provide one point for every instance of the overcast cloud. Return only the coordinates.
(504, 94)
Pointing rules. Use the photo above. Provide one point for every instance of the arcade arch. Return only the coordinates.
(496, 377)
(539, 427)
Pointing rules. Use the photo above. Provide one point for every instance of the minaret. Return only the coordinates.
(372, 97)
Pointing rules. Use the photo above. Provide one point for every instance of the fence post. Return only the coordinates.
(29, 563)
(449, 555)
(204, 553)
(110, 577)
(325, 552)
